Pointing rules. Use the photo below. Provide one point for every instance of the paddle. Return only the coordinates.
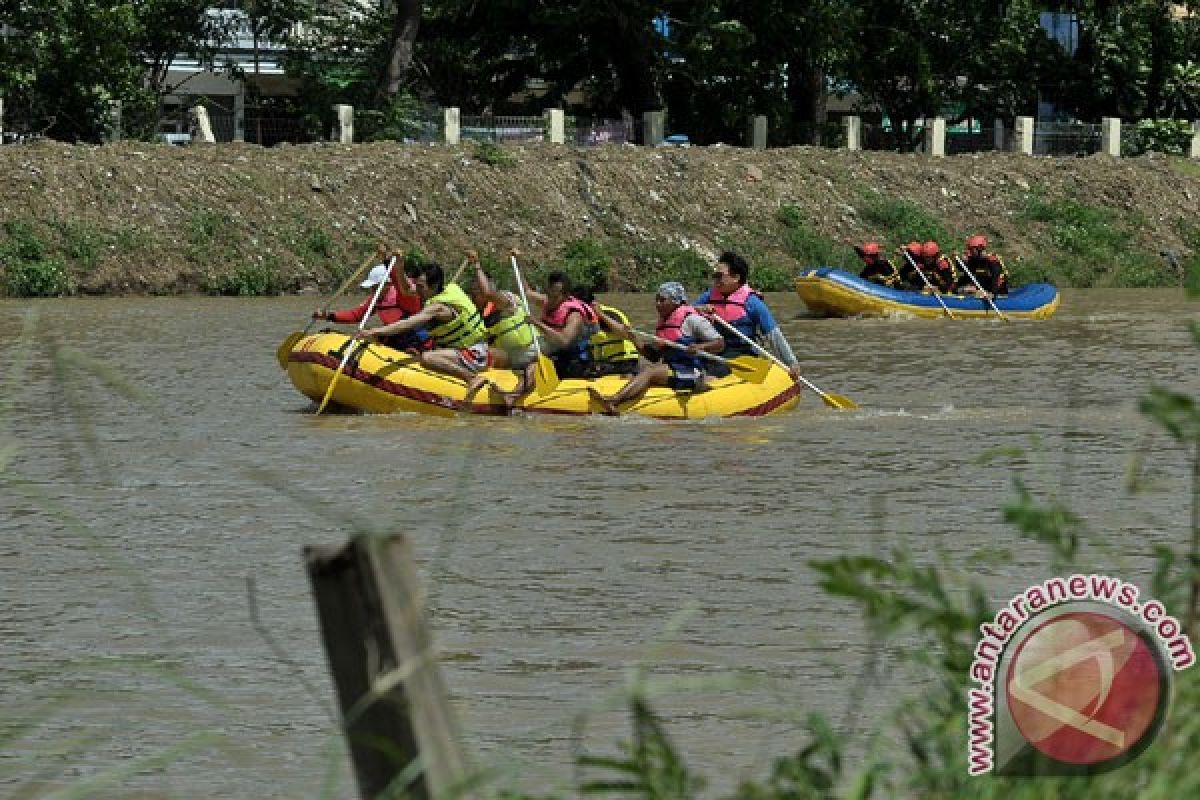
(545, 377)
(281, 353)
(753, 370)
(986, 295)
(832, 400)
(929, 285)
(354, 343)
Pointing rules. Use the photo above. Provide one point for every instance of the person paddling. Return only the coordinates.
(608, 352)
(509, 332)
(454, 324)
(876, 268)
(988, 269)
(731, 298)
(399, 301)
(678, 369)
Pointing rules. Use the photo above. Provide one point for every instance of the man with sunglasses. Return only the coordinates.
(731, 299)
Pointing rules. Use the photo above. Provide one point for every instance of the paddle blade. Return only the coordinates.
(838, 401)
(336, 374)
(285, 349)
(545, 376)
(749, 368)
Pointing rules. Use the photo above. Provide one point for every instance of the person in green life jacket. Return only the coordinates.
(608, 352)
(510, 334)
(455, 325)
(679, 369)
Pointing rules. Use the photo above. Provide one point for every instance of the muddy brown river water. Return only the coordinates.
(558, 554)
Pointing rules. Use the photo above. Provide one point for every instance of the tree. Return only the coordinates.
(69, 61)
(406, 21)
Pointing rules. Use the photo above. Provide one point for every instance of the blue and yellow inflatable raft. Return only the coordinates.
(832, 292)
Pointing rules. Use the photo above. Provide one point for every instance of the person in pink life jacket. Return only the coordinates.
(731, 298)
(566, 324)
(678, 369)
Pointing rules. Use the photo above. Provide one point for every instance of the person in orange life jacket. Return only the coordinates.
(905, 258)
(399, 300)
(510, 334)
(987, 268)
(678, 369)
(937, 268)
(876, 268)
(732, 299)
(454, 324)
(566, 323)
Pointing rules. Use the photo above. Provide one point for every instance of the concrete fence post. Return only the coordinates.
(451, 125)
(1023, 136)
(935, 137)
(654, 124)
(1110, 136)
(239, 116)
(1193, 150)
(556, 124)
(1, 119)
(202, 132)
(758, 132)
(114, 121)
(998, 135)
(852, 126)
(343, 124)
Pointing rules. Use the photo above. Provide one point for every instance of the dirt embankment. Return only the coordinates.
(138, 217)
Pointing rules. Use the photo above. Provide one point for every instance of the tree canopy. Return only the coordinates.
(710, 64)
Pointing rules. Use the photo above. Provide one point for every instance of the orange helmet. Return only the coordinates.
(870, 249)
(930, 249)
(976, 241)
(913, 248)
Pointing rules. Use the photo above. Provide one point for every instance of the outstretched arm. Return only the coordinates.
(423, 318)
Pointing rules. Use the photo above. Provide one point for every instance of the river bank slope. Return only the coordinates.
(240, 219)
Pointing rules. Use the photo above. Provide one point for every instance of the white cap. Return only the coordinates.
(375, 276)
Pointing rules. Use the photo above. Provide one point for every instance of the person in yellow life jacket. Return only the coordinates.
(510, 333)
(566, 324)
(609, 353)
(987, 268)
(876, 268)
(455, 325)
(678, 369)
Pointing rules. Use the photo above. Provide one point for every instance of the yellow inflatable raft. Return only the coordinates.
(380, 380)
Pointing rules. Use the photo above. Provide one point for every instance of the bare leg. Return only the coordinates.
(447, 361)
(653, 375)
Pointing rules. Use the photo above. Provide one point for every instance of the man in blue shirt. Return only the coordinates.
(731, 299)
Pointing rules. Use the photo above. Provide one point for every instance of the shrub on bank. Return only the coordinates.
(29, 269)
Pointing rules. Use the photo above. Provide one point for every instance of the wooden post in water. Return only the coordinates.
(389, 686)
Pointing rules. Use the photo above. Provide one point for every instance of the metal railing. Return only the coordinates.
(958, 142)
(502, 129)
(588, 131)
(1066, 139)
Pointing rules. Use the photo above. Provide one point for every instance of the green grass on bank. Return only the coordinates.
(1076, 244)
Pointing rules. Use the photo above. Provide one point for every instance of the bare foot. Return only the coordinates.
(473, 387)
(606, 403)
(475, 384)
